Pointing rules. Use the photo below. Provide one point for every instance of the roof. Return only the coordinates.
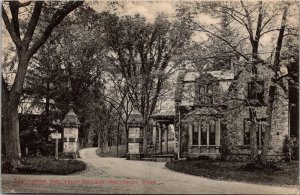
(135, 117)
(199, 113)
(224, 77)
(70, 119)
(165, 115)
(219, 75)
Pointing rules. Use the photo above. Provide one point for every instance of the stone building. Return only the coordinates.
(213, 111)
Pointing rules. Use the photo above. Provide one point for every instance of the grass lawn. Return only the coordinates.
(47, 165)
(112, 151)
(285, 173)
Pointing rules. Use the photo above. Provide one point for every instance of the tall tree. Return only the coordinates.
(254, 20)
(142, 53)
(69, 68)
(27, 42)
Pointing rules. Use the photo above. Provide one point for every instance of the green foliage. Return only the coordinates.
(269, 166)
(69, 155)
(34, 134)
(50, 166)
(295, 148)
(69, 68)
(272, 174)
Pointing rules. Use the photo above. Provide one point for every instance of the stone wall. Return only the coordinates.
(235, 119)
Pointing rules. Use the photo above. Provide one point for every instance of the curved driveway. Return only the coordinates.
(117, 175)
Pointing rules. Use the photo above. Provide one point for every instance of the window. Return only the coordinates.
(256, 91)
(260, 131)
(202, 93)
(207, 133)
(204, 134)
(246, 132)
(210, 99)
(195, 135)
(206, 93)
(222, 63)
(212, 133)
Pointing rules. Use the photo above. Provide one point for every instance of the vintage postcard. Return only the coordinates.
(150, 97)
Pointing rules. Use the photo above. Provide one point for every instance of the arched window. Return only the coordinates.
(260, 131)
(202, 93)
(206, 93)
(210, 94)
(212, 133)
(204, 133)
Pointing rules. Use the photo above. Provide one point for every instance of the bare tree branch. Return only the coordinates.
(57, 17)
(14, 8)
(10, 29)
(33, 22)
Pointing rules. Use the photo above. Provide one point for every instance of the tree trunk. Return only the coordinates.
(47, 106)
(267, 137)
(126, 131)
(118, 131)
(272, 90)
(99, 139)
(11, 129)
(10, 112)
(145, 141)
(253, 139)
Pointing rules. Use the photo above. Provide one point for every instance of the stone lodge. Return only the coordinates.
(213, 110)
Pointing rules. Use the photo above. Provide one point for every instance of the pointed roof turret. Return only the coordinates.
(135, 117)
(71, 119)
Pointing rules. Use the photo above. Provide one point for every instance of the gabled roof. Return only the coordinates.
(219, 75)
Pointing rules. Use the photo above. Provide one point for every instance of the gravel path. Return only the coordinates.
(117, 175)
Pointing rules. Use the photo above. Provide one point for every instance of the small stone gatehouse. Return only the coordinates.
(212, 113)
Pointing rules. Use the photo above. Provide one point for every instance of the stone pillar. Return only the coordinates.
(218, 132)
(159, 138)
(135, 124)
(190, 130)
(207, 135)
(154, 138)
(70, 124)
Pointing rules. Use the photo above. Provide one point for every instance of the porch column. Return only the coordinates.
(159, 138)
(154, 137)
(218, 131)
(166, 137)
(190, 126)
(199, 134)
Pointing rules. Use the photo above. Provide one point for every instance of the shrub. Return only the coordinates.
(70, 155)
(269, 166)
(286, 149)
(295, 148)
(203, 158)
(50, 166)
(6, 167)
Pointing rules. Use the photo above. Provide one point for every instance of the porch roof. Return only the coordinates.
(164, 116)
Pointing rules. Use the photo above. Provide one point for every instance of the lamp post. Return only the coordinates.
(135, 141)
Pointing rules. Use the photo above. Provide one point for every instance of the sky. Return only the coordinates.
(148, 9)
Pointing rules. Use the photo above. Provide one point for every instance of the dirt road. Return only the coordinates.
(117, 175)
